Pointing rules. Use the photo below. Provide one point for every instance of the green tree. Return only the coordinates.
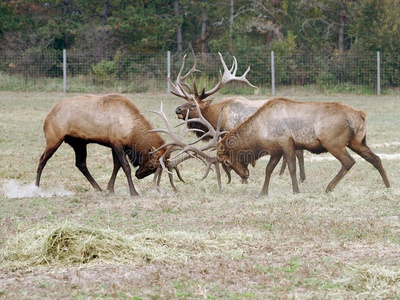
(145, 25)
(9, 19)
(377, 26)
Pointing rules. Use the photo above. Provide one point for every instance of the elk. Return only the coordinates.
(281, 126)
(236, 109)
(113, 121)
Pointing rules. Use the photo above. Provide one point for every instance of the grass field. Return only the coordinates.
(73, 242)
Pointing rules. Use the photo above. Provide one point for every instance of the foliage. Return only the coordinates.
(377, 26)
(104, 71)
(149, 26)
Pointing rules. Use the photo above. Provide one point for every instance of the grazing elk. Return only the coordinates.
(236, 109)
(113, 121)
(281, 125)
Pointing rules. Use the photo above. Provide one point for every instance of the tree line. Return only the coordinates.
(334, 27)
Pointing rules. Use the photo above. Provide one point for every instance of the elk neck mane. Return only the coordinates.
(148, 139)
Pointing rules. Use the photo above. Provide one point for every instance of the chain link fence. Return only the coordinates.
(147, 72)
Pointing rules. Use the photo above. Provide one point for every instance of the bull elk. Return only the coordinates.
(113, 121)
(281, 125)
(236, 109)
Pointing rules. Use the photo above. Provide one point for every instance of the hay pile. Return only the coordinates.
(71, 243)
(367, 280)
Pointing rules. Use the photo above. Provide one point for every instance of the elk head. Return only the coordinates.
(232, 160)
(183, 90)
(150, 163)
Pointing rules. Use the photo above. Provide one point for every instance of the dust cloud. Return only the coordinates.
(13, 189)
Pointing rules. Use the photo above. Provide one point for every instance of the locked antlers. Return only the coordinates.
(179, 150)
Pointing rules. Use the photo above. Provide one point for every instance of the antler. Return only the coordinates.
(187, 150)
(178, 89)
(228, 76)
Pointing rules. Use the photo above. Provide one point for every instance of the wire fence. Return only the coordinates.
(147, 72)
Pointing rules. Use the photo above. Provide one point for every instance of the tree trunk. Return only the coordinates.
(104, 13)
(231, 25)
(65, 7)
(203, 33)
(342, 23)
(179, 27)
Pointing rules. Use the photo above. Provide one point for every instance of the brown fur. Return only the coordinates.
(282, 126)
(110, 120)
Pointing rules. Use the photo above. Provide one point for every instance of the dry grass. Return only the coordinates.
(68, 244)
(197, 243)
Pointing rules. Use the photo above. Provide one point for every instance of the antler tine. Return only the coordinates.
(157, 178)
(179, 174)
(177, 90)
(196, 92)
(169, 129)
(181, 79)
(192, 70)
(219, 119)
(234, 66)
(171, 181)
(244, 79)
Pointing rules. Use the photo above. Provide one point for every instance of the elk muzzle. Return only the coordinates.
(179, 112)
(143, 172)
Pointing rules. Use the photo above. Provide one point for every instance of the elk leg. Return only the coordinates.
(347, 162)
(284, 163)
(365, 152)
(218, 172)
(48, 152)
(119, 153)
(289, 153)
(300, 158)
(273, 161)
(117, 166)
(80, 161)
(227, 171)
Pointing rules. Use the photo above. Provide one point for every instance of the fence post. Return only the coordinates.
(378, 70)
(65, 70)
(272, 73)
(168, 72)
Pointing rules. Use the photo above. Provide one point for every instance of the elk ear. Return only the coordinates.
(207, 102)
(221, 148)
